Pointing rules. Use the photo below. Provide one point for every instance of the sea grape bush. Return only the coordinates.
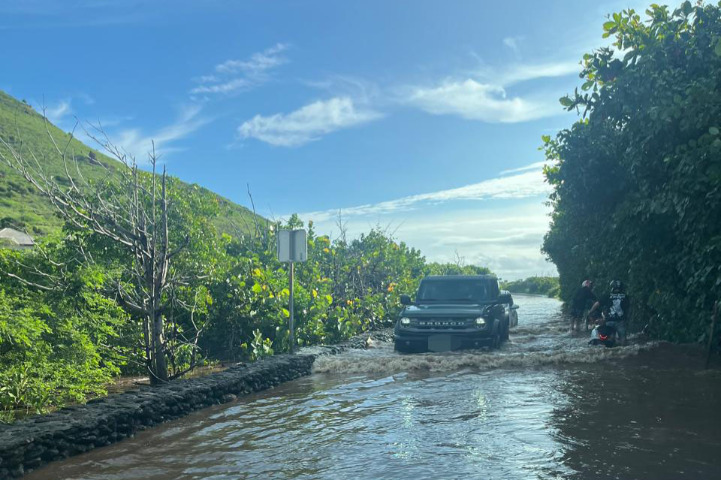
(637, 180)
(65, 345)
(57, 347)
(345, 288)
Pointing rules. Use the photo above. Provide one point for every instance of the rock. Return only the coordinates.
(18, 471)
(228, 397)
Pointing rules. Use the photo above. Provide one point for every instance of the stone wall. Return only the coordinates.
(35, 441)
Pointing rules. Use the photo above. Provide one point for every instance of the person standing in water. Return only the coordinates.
(617, 307)
(583, 297)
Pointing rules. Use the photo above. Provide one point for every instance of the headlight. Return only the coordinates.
(480, 322)
(405, 321)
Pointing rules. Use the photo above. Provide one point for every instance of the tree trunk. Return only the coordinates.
(160, 365)
(136, 221)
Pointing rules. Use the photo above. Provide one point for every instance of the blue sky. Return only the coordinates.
(421, 117)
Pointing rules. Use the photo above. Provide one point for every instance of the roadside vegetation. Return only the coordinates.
(547, 286)
(141, 278)
(65, 331)
(637, 179)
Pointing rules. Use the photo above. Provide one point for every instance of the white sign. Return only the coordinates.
(292, 246)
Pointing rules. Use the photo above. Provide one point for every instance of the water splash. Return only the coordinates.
(390, 362)
(543, 338)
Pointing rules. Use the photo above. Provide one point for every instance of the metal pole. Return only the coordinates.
(290, 309)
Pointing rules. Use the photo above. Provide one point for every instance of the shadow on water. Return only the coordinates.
(544, 406)
(656, 416)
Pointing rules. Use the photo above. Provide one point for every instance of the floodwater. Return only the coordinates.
(544, 406)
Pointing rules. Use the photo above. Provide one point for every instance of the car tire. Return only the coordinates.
(400, 347)
(506, 330)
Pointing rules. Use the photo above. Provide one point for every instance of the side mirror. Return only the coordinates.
(504, 298)
(514, 307)
(405, 300)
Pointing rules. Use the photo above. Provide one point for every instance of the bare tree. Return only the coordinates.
(132, 212)
(342, 227)
(459, 261)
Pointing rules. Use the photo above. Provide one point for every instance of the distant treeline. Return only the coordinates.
(548, 286)
(637, 181)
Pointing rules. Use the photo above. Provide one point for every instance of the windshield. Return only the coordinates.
(460, 290)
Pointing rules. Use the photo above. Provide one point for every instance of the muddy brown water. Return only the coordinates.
(544, 406)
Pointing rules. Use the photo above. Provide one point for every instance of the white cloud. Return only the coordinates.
(58, 112)
(472, 100)
(482, 94)
(308, 123)
(524, 72)
(258, 63)
(224, 87)
(514, 44)
(207, 79)
(238, 75)
(505, 238)
(533, 166)
(138, 144)
(347, 86)
(504, 232)
(113, 121)
(523, 185)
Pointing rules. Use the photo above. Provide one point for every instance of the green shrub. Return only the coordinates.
(636, 181)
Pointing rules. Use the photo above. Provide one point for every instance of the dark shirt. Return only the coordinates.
(617, 305)
(581, 298)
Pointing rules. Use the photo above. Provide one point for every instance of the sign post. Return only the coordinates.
(291, 319)
(292, 247)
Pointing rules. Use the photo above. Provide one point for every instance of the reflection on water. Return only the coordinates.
(544, 406)
(656, 416)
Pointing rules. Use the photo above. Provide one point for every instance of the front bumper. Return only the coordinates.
(413, 339)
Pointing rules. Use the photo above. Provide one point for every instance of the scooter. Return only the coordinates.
(603, 334)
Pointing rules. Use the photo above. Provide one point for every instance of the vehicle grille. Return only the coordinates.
(441, 323)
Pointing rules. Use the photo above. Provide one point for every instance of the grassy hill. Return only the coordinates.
(22, 207)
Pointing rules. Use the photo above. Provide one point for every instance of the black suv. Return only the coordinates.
(453, 312)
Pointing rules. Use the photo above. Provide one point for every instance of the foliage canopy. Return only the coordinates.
(637, 180)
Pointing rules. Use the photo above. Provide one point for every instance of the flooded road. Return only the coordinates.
(545, 406)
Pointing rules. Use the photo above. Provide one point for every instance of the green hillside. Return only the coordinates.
(22, 207)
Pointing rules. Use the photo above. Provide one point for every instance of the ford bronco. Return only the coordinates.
(453, 312)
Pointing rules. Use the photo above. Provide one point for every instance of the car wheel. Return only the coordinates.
(400, 347)
(506, 330)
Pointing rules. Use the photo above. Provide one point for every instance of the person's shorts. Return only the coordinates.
(620, 326)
